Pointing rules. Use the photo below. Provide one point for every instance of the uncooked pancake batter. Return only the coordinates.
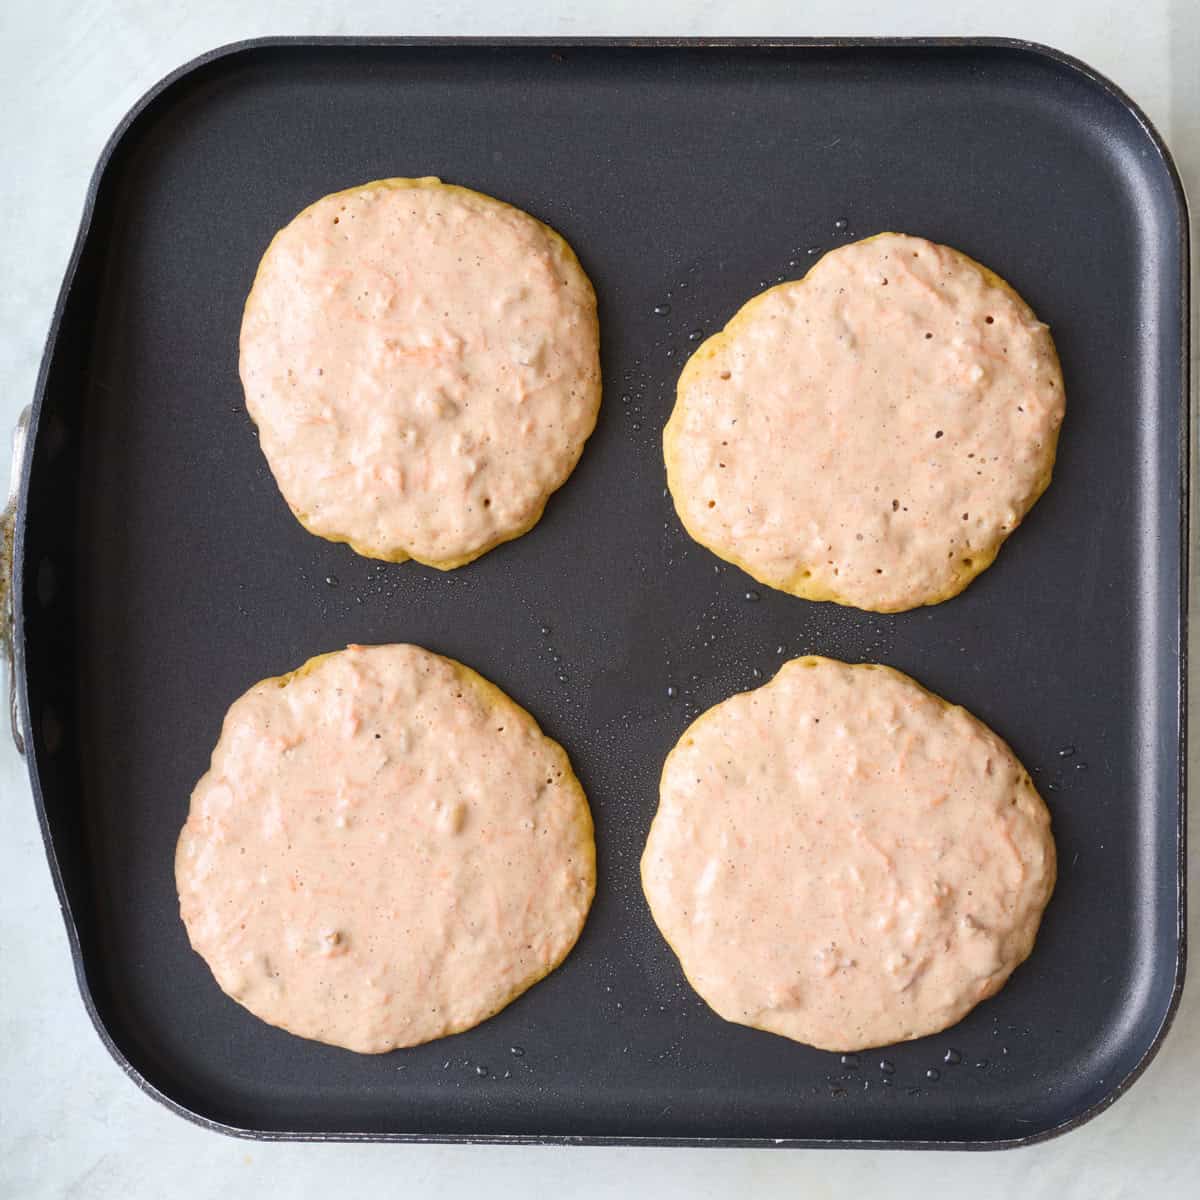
(845, 859)
(422, 364)
(869, 434)
(386, 849)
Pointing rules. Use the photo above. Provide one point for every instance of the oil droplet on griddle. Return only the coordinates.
(661, 310)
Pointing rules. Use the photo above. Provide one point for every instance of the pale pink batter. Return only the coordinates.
(872, 433)
(843, 858)
(386, 849)
(422, 363)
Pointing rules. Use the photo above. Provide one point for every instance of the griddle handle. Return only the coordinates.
(8, 523)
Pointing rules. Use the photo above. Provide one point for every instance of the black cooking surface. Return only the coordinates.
(162, 573)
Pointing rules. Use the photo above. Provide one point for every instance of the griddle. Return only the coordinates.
(158, 573)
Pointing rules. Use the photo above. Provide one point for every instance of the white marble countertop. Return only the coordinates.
(70, 1123)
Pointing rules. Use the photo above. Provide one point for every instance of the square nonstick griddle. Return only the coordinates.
(159, 572)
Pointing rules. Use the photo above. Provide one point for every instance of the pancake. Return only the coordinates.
(844, 859)
(422, 363)
(385, 850)
(872, 433)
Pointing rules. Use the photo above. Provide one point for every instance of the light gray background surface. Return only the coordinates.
(70, 1123)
